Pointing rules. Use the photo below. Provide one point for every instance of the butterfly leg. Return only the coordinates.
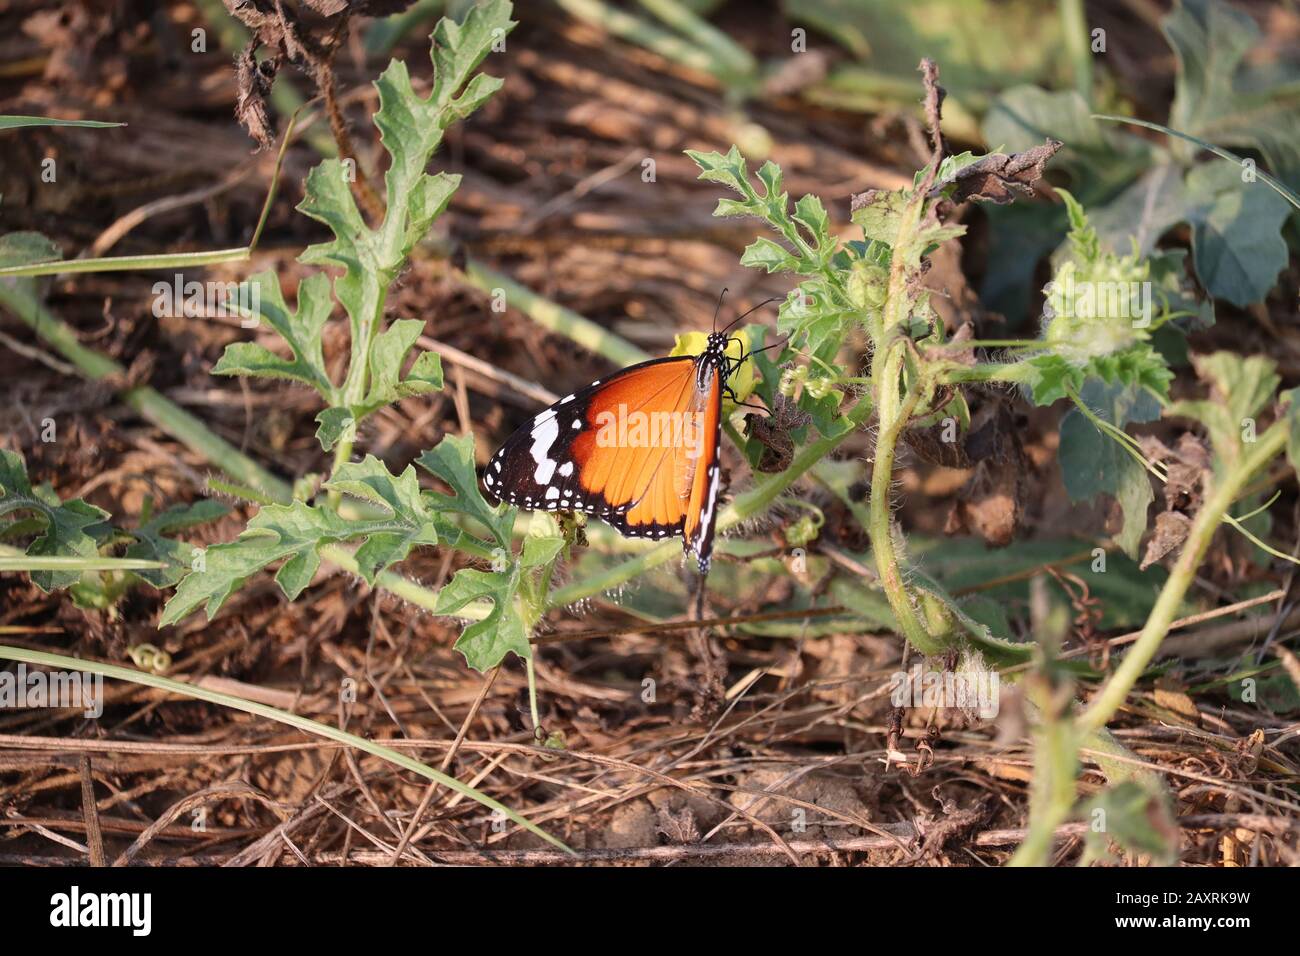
(727, 391)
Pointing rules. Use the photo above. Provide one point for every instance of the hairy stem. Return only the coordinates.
(1056, 765)
(893, 412)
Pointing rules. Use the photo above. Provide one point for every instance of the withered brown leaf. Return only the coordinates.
(1000, 178)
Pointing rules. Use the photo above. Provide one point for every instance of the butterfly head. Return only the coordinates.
(720, 353)
(715, 348)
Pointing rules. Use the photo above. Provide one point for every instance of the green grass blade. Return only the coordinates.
(556, 318)
(633, 29)
(1074, 26)
(1280, 188)
(173, 260)
(18, 122)
(726, 52)
(176, 260)
(28, 562)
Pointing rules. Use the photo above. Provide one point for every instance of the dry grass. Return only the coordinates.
(794, 768)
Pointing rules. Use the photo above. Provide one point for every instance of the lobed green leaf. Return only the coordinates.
(300, 328)
(452, 460)
(72, 528)
(296, 532)
(152, 544)
(502, 630)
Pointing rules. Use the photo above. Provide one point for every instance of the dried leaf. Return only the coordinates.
(991, 502)
(253, 80)
(1000, 178)
(1172, 697)
(1172, 528)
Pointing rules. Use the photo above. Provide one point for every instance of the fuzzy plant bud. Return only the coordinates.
(867, 286)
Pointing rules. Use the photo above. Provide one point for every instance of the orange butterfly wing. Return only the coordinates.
(640, 451)
(635, 453)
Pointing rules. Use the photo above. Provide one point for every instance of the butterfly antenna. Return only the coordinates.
(765, 348)
(718, 308)
(751, 311)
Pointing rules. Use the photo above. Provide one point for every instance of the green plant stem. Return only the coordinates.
(1116, 762)
(613, 577)
(177, 260)
(59, 662)
(1111, 697)
(11, 559)
(390, 581)
(1052, 790)
(1074, 23)
(18, 298)
(893, 409)
(896, 400)
(892, 416)
(531, 669)
(963, 344)
(956, 374)
(242, 492)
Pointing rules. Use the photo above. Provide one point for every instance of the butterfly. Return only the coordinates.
(639, 450)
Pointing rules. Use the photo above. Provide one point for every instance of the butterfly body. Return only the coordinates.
(639, 450)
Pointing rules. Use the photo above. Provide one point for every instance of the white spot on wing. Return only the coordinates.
(544, 436)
